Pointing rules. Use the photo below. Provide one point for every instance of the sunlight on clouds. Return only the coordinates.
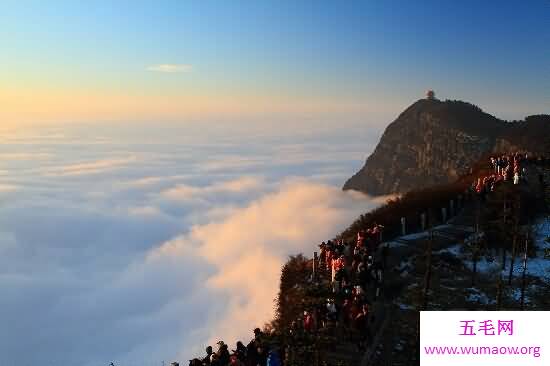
(143, 182)
(249, 245)
(183, 192)
(150, 182)
(25, 156)
(241, 185)
(229, 162)
(137, 234)
(90, 167)
(4, 188)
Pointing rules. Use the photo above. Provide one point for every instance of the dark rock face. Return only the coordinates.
(434, 142)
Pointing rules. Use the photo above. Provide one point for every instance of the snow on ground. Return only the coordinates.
(394, 244)
(405, 267)
(414, 236)
(406, 307)
(423, 234)
(483, 265)
(474, 237)
(516, 294)
(454, 250)
(540, 266)
(478, 297)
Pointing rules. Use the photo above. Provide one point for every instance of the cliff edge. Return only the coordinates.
(434, 142)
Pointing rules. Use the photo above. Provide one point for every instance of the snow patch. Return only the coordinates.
(478, 297)
(483, 265)
(454, 250)
(540, 266)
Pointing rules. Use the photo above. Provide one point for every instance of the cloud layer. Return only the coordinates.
(247, 249)
(144, 248)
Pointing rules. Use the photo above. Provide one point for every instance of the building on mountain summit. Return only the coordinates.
(430, 95)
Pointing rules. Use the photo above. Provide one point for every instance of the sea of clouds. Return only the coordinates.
(143, 243)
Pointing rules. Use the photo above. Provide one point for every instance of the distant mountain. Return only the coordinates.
(435, 141)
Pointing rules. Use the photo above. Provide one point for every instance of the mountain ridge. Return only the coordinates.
(434, 142)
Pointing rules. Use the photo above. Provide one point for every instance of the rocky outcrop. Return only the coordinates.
(434, 142)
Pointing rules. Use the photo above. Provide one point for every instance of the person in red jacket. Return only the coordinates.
(308, 322)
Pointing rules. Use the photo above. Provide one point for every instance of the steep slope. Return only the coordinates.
(434, 142)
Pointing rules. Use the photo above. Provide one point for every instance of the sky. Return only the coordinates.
(268, 61)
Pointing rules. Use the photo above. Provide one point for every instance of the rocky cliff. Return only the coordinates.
(435, 141)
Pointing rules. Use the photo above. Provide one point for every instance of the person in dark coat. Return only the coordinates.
(255, 351)
(252, 357)
(206, 360)
(262, 355)
(214, 360)
(240, 352)
(223, 353)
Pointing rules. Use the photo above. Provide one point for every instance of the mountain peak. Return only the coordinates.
(434, 141)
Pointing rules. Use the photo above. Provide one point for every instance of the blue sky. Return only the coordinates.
(363, 57)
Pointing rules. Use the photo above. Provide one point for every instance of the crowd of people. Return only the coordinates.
(258, 352)
(355, 271)
(356, 275)
(505, 168)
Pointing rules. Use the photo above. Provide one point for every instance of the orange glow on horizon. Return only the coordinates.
(25, 106)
